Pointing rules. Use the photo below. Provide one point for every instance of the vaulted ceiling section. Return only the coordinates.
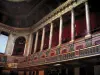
(25, 13)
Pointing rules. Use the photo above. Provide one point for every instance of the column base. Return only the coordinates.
(88, 36)
(72, 41)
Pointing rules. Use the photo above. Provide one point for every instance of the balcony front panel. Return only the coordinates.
(82, 48)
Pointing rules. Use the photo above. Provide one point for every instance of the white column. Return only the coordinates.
(60, 30)
(87, 18)
(30, 44)
(42, 41)
(6, 52)
(10, 45)
(72, 25)
(36, 41)
(50, 37)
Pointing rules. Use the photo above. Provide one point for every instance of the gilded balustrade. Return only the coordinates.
(65, 53)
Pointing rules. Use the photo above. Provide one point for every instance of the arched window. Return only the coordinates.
(19, 46)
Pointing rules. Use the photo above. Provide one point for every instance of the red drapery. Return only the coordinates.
(46, 42)
(80, 27)
(66, 33)
(55, 37)
(34, 37)
(39, 43)
(94, 21)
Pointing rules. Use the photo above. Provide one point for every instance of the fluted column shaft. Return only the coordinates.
(87, 18)
(43, 37)
(72, 25)
(60, 30)
(36, 41)
(50, 37)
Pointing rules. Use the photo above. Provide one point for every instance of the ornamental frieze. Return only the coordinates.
(79, 51)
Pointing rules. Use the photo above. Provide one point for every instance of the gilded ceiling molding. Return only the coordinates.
(61, 10)
(14, 30)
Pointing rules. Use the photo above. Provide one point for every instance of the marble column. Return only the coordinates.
(42, 41)
(87, 19)
(50, 37)
(30, 44)
(60, 30)
(36, 42)
(72, 25)
(10, 45)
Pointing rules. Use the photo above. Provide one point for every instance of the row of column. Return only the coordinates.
(60, 29)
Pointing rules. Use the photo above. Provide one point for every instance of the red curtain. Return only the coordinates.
(46, 42)
(95, 21)
(34, 37)
(80, 27)
(66, 33)
(39, 43)
(55, 37)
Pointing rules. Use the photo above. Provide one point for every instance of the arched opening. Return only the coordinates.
(19, 46)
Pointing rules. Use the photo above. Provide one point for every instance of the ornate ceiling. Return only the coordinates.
(25, 13)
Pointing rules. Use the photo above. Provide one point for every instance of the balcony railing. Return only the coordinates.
(82, 48)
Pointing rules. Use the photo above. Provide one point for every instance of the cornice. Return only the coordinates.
(62, 9)
(14, 30)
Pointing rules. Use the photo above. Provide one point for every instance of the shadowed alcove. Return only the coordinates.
(19, 46)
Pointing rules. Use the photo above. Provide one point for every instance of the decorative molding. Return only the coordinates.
(14, 30)
(82, 53)
(55, 54)
(61, 10)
